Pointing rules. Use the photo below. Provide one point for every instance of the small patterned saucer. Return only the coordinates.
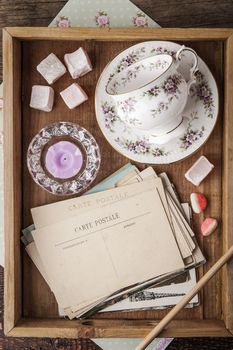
(74, 134)
(200, 113)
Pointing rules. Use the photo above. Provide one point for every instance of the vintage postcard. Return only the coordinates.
(78, 243)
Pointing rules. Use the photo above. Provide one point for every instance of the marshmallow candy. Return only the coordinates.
(208, 226)
(78, 63)
(73, 96)
(42, 98)
(51, 68)
(198, 202)
(200, 169)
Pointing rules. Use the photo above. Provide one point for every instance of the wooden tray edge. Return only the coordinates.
(115, 328)
(11, 42)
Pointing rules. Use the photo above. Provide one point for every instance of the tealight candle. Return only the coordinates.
(63, 159)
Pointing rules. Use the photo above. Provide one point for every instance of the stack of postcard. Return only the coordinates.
(164, 294)
(127, 234)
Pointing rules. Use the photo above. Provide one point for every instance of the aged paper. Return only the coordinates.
(111, 246)
(52, 213)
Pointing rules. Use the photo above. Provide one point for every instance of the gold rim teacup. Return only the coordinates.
(151, 94)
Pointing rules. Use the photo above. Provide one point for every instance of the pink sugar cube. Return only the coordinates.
(78, 63)
(42, 98)
(198, 172)
(51, 68)
(73, 95)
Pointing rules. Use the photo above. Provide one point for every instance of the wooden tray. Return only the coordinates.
(30, 307)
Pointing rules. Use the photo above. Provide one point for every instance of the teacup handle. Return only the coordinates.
(194, 67)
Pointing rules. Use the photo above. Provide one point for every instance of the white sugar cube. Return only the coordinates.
(51, 68)
(199, 170)
(42, 98)
(78, 63)
(73, 95)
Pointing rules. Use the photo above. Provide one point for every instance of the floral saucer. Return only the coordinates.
(200, 113)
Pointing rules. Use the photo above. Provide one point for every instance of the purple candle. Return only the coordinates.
(63, 159)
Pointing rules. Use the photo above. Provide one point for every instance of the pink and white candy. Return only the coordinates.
(198, 202)
(78, 63)
(42, 98)
(208, 226)
(51, 68)
(73, 95)
(199, 170)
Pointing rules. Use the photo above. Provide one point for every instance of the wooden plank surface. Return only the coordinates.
(167, 13)
(12, 184)
(38, 301)
(118, 34)
(115, 328)
(228, 187)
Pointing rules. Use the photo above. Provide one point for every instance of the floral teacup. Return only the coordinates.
(151, 94)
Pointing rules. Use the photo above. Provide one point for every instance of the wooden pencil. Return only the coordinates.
(184, 301)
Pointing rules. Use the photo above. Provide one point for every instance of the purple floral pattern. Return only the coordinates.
(170, 88)
(158, 64)
(162, 106)
(199, 76)
(102, 19)
(141, 147)
(132, 74)
(158, 152)
(191, 135)
(131, 58)
(152, 92)
(163, 343)
(110, 115)
(171, 85)
(114, 86)
(127, 105)
(63, 22)
(164, 50)
(140, 20)
(203, 92)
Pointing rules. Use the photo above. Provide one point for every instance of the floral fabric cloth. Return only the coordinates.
(130, 344)
(102, 14)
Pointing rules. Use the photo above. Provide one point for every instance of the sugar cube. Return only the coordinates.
(78, 63)
(73, 95)
(51, 68)
(42, 98)
(198, 172)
